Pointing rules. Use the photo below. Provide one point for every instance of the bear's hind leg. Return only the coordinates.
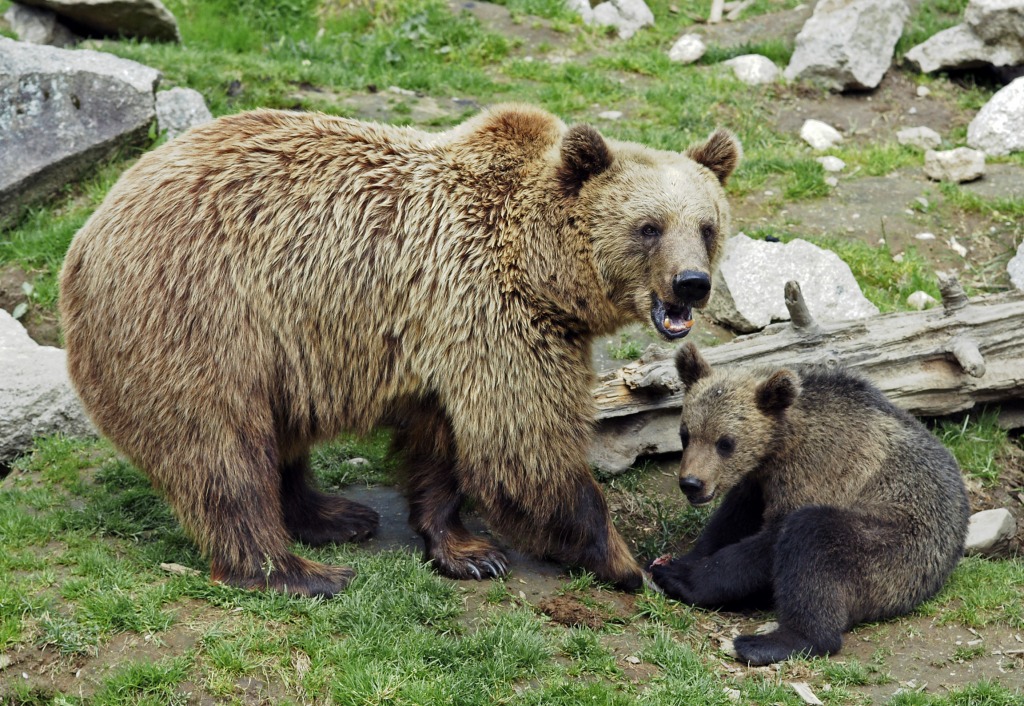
(316, 518)
(435, 499)
(820, 556)
(231, 504)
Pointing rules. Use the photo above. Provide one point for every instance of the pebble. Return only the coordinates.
(957, 247)
(925, 236)
(357, 461)
(921, 300)
(831, 164)
(923, 91)
(610, 115)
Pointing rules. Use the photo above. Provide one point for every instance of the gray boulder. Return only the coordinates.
(37, 26)
(62, 111)
(180, 109)
(992, 34)
(749, 289)
(1015, 268)
(959, 165)
(627, 16)
(989, 532)
(687, 49)
(36, 396)
(143, 19)
(921, 137)
(848, 44)
(998, 128)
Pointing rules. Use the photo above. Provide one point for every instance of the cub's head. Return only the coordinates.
(729, 422)
(657, 220)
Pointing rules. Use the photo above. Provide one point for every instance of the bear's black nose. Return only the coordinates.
(691, 486)
(691, 286)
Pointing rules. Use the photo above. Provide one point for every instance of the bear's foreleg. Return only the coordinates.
(738, 572)
(425, 438)
(316, 518)
(739, 516)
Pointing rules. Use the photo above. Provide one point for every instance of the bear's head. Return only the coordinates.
(657, 220)
(730, 422)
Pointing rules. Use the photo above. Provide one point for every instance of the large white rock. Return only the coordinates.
(819, 135)
(62, 111)
(1015, 268)
(144, 19)
(959, 165)
(989, 531)
(687, 49)
(749, 289)
(998, 128)
(991, 34)
(921, 137)
(37, 26)
(36, 396)
(848, 44)
(180, 109)
(753, 69)
(627, 16)
(583, 9)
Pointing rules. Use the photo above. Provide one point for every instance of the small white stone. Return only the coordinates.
(957, 247)
(922, 200)
(687, 49)
(819, 135)
(399, 91)
(357, 461)
(831, 164)
(753, 69)
(923, 91)
(921, 300)
(610, 115)
(832, 181)
(921, 137)
(959, 165)
(988, 528)
(925, 236)
(633, 659)
(898, 257)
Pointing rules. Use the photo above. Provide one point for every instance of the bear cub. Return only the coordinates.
(839, 507)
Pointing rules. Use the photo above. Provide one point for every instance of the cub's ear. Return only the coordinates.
(584, 154)
(721, 154)
(778, 392)
(690, 365)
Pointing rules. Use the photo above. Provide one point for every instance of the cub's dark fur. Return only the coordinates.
(839, 506)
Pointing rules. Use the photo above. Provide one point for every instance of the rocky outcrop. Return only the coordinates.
(38, 26)
(179, 110)
(992, 34)
(142, 19)
(627, 16)
(36, 396)
(998, 128)
(61, 111)
(750, 284)
(848, 44)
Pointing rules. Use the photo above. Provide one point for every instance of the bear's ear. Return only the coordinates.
(721, 154)
(584, 154)
(690, 365)
(778, 392)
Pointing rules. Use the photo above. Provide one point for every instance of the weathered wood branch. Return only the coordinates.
(931, 363)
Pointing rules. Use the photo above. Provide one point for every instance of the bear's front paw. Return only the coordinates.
(474, 558)
(673, 577)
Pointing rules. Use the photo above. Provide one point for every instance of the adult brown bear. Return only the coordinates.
(272, 278)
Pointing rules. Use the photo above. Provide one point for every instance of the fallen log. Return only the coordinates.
(931, 363)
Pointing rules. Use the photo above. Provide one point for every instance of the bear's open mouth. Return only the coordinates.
(702, 500)
(672, 321)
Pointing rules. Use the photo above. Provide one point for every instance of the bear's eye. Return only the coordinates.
(708, 232)
(684, 436)
(650, 231)
(725, 445)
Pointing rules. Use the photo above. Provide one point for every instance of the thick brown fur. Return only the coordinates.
(839, 507)
(272, 278)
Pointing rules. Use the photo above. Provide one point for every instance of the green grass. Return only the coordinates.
(627, 348)
(929, 18)
(977, 444)
(981, 592)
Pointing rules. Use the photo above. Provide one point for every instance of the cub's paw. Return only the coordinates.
(783, 643)
(337, 521)
(295, 576)
(673, 577)
(472, 559)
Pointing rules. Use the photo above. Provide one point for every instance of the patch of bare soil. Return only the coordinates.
(567, 610)
(41, 326)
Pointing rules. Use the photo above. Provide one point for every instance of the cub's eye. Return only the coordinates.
(725, 445)
(684, 436)
(650, 231)
(708, 232)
